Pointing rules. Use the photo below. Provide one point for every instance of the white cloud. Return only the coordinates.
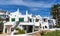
(10, 2)
(29, 4)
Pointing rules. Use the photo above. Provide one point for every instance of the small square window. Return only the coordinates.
(37, 20)
(13, 19)
(21, 19)
(30, 20)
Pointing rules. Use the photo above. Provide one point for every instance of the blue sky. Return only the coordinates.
(35, 7)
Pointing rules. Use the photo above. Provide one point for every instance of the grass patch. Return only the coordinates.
(53, 33)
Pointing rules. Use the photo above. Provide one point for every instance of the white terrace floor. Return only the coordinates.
(4, 34)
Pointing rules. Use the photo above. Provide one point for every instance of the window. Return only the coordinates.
(13, 19)
(50, 26)
(7, 19)
(45, 20)
(45, 26)
(36, 27)
(37, 20)
(30, 20)
(21, 19)
(50, 21)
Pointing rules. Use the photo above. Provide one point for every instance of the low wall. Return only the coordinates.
(52, 29)
(18, 35)
(36, 33)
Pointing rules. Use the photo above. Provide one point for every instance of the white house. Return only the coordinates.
(27, 22)
(48, 23)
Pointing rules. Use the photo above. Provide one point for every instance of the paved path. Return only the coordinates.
(4, 34)
(35, 34)
(30, 34)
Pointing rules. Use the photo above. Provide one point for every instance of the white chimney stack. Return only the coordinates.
(18, 10)
(26, 12)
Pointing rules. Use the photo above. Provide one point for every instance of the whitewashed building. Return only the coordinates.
(27, 22)
(48, 23)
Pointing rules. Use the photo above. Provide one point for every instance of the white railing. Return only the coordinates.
(26, 23)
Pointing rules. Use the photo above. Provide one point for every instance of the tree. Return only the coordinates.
(55, 12)
(1, 25)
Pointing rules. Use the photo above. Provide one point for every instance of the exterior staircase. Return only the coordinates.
(16, 24)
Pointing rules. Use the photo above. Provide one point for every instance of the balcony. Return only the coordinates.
(26, 23)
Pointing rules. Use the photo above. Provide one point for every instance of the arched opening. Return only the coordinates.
(45, 26)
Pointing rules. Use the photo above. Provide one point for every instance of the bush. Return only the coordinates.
(1, 27)
(20, 31)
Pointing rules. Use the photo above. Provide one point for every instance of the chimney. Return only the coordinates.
(26, 12)
(18, 10)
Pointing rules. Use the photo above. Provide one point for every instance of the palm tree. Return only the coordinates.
(55, 12)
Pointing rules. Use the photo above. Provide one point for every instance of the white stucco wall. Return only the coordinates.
(17, 16)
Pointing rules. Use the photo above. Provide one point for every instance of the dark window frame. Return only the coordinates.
(12, 19)
(21, 19)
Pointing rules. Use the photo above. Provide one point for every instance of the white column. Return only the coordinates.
(4, 29)
(39, 28)
(26, 28)
(33, 28)
(9, 30)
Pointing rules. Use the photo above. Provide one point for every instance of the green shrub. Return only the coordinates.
(20, 31)
(1, 27)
